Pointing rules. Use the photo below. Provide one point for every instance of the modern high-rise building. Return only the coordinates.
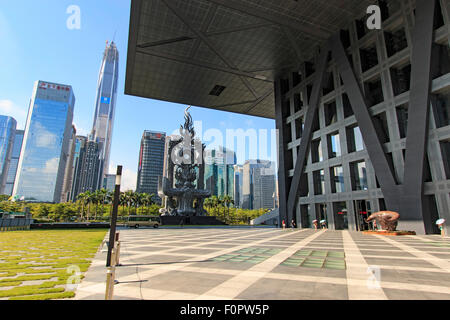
(219, 171)
(68, 175)
(151, 162)
(78, 155)
(109, 183)
(105, 107)
(238, 176)
(87, 166)
(17, 147)
(7, 135)
(252, 177)
(264, 196)
(370, 99)
(44, 154)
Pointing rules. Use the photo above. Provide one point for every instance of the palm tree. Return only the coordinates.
(129, 196)
(208, 203)
(227, 200)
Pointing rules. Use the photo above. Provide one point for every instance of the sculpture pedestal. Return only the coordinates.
(391, 233)
(189, 221)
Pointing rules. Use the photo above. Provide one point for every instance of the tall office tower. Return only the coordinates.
(238, 176)
(7, 135)
(78, 155)
(42, 163)
(264, 188)
(14, 162)
(109, 183)
(105, 107)
(68, 175)
(248, 180)
(151, 162)
(87, 166)
(219, 171)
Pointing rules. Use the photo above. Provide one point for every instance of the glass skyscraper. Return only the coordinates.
(151, 162)
(219, 171)
(48, 130)
(105, 107)
(14, 162)
(7, 135)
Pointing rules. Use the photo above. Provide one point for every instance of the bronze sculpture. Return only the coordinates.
(182, 185)
(387, 219)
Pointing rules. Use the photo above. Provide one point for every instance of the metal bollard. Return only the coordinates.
(110, 277)
(117, 254)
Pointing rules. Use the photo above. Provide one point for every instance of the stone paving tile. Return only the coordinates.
(399, 262)
(177, 281)
(191, 253)
(405, 276)
(267, 289)
(394, 294)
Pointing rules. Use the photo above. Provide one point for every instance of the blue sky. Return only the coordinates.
(35, 44)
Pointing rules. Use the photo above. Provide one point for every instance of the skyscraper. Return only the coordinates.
(251, 183)
(105, 107)
(17, 147)
(219, 171)
(264, 196)
(7, 135)
(48, 130)
(68, 175)
(78, 155)
(151, 162)
(87, 167)
(238, 176)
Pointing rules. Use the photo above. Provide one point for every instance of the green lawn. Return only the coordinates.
(34, 265)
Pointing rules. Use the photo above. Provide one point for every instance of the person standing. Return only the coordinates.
(293, 224)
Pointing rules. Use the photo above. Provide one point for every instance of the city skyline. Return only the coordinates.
(74, 59)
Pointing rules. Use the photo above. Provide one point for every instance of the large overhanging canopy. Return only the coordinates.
(225, 54)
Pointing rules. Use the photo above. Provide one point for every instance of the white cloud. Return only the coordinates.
(44, 138)
(80, 130)
(9, 108)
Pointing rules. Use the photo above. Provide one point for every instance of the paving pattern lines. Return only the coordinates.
(128, 248)
(89, 288)
(440, 263)
(196, 259)
(357, 276)
(231, 288)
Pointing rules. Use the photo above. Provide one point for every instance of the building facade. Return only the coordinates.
(219, 171)
(238, 175)
(105, 107)
(256, 185)
(151, 162)
(87, 167)
(264, 194)
(17, 147)
(48, 130)
(362, 113)
(7, 135)
(109, 183)
(68, 175)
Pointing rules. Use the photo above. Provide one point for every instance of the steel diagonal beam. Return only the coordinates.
(207, 41)
(311, 116)
(306, 28)
(419, 102)
(360, 109)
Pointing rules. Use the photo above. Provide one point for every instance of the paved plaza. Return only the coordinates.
(272, 264)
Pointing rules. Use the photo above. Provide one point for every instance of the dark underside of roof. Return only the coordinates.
(225, 54)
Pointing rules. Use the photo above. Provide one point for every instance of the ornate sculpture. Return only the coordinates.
(387, 219)
(182, 185)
